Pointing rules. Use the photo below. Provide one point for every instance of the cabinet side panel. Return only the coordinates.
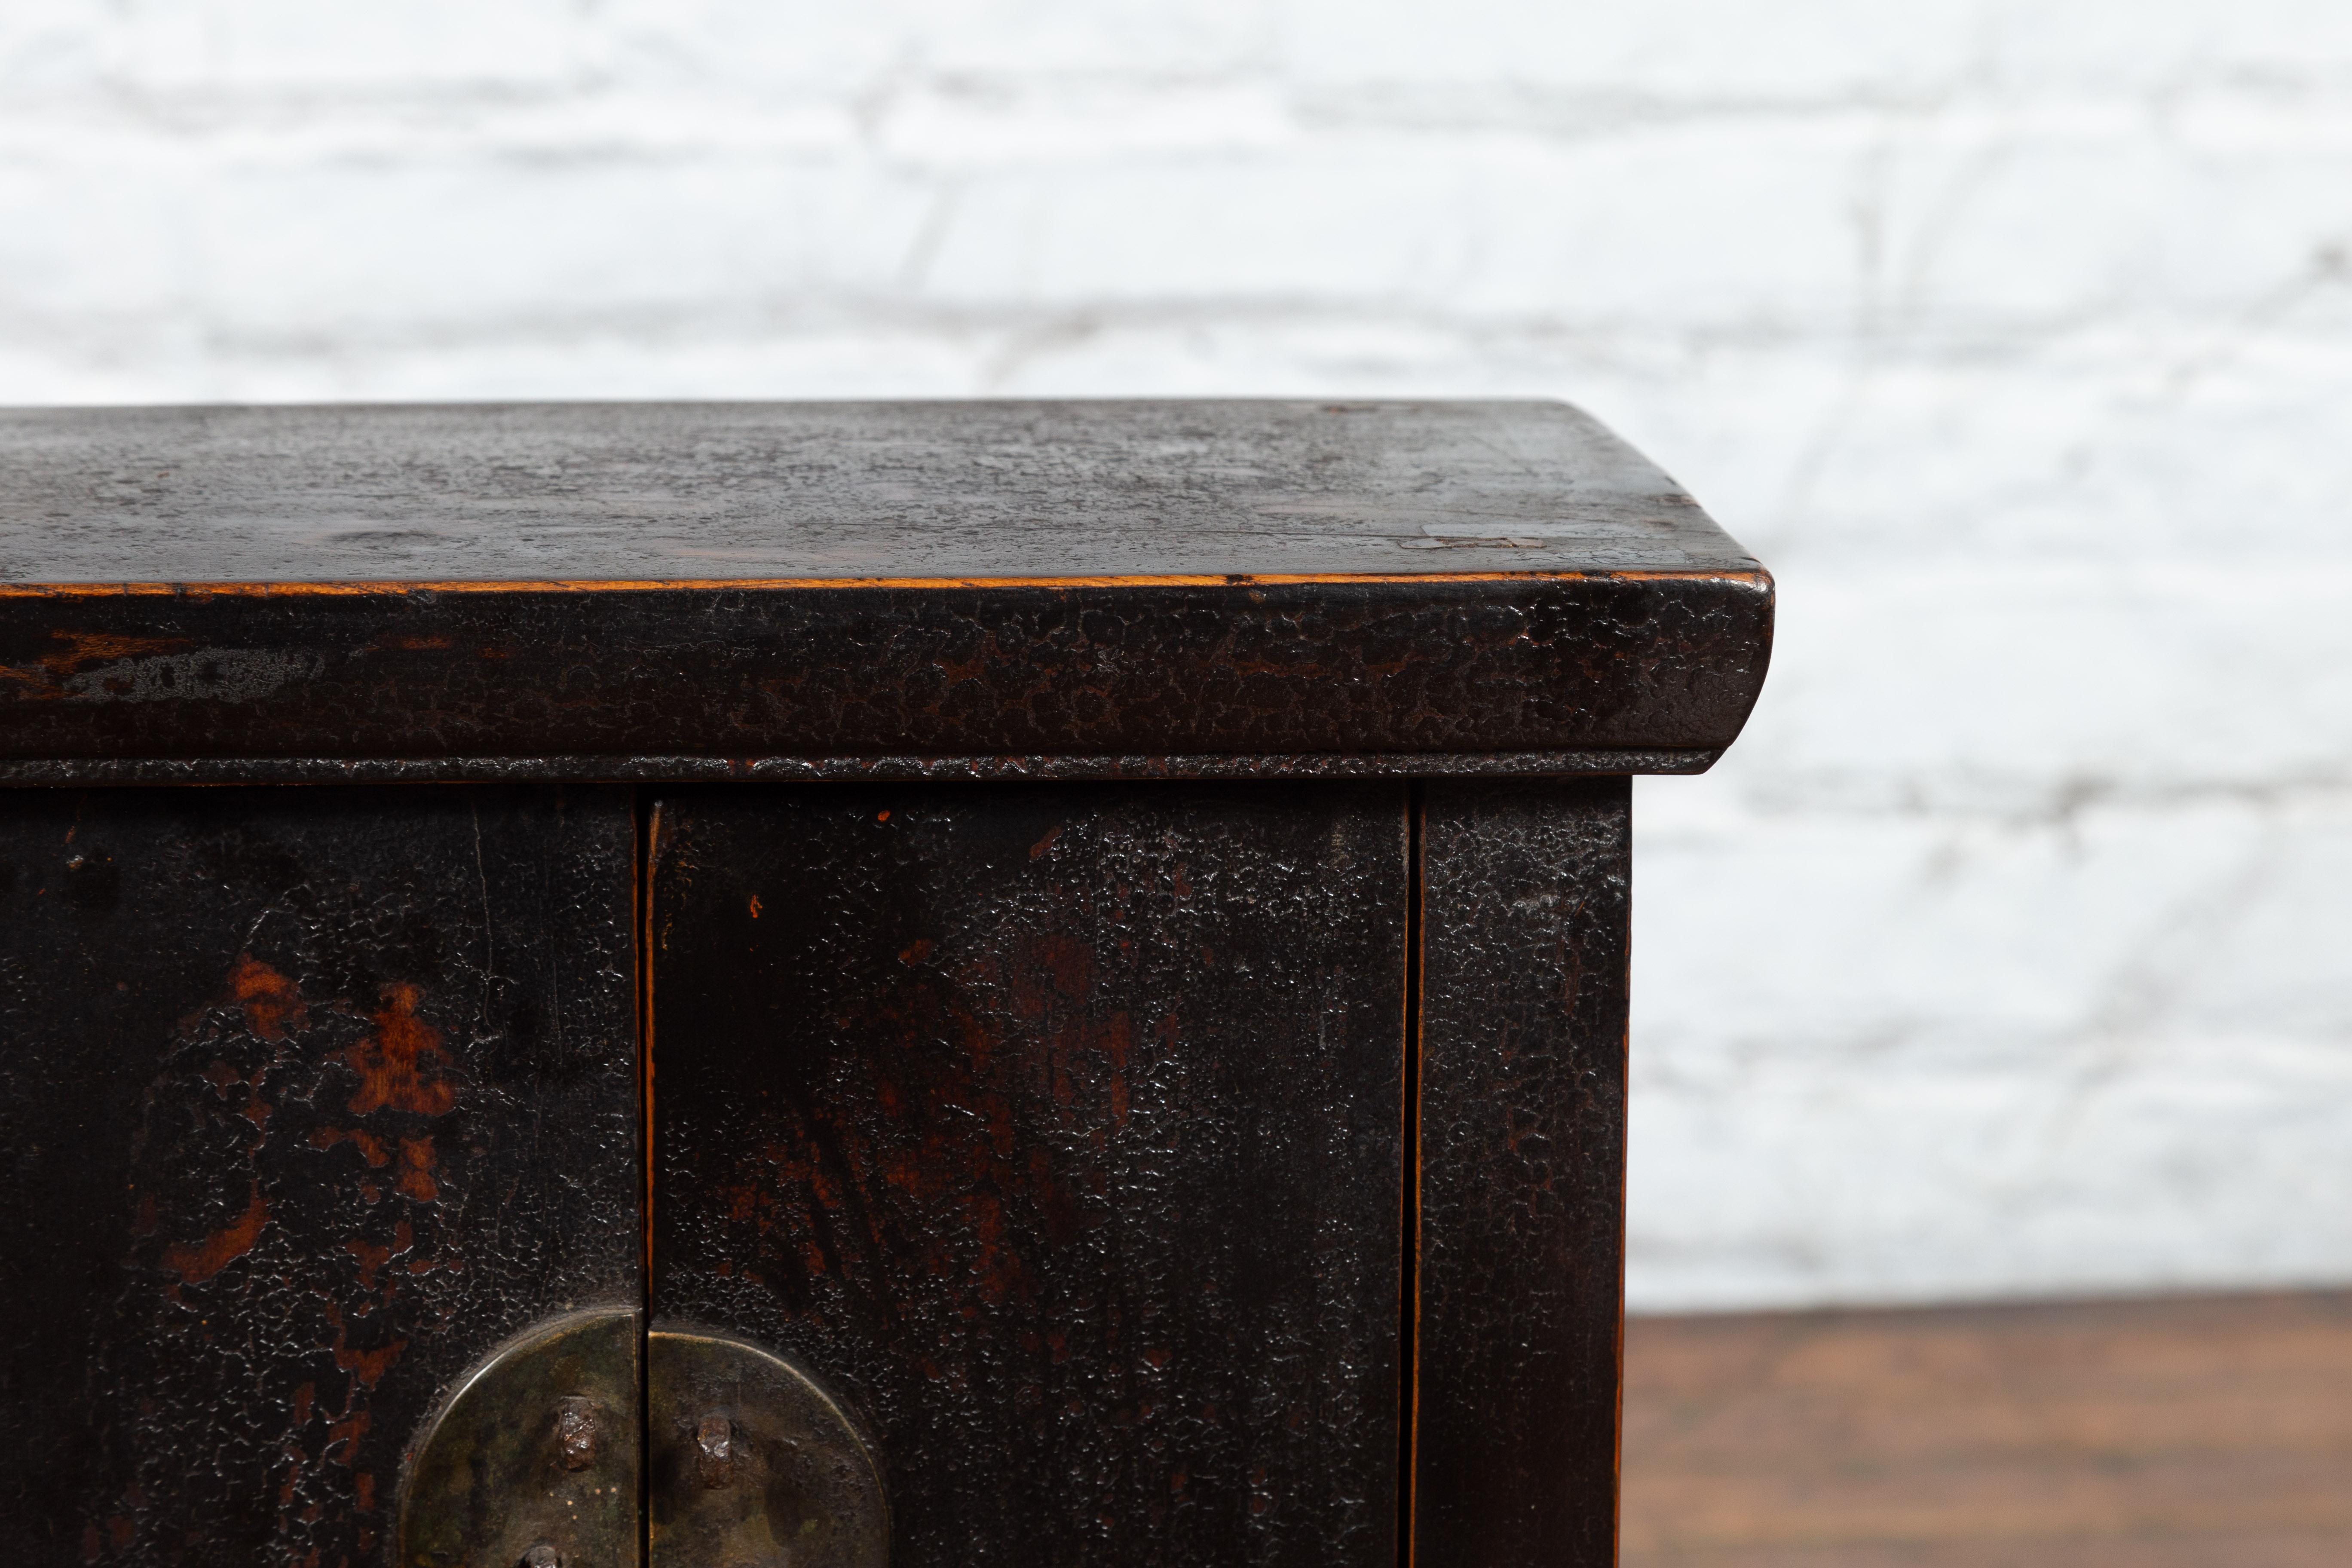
(1522, 1118)
(311, 1099)
(1057, 1129)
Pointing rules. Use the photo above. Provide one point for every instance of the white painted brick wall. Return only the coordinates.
(2012, 950)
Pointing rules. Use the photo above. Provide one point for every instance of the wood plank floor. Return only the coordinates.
(2186, 1432)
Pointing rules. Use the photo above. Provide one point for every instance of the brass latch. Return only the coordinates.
(589, 1444)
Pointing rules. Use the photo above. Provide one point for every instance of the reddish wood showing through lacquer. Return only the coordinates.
(313, 1098)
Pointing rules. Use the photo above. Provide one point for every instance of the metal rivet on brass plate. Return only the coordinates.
(577, 1433)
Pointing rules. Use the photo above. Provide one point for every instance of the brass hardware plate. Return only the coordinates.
(533, 1461)
(752, 1464)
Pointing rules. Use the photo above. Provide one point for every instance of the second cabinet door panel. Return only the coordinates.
(1059, 1129)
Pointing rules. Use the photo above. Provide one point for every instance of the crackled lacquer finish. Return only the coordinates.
(311, 1099)
(651, 591)
(1522, 1145)
(1057, 1129)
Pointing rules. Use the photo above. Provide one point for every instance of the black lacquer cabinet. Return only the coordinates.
(824, 985)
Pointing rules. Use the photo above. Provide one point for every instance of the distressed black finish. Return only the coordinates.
(801, 770)
(1141, 905)
(1447, 666)
(1058, 1128)
(822, 585)
(1522, 1146)
(310, 1098)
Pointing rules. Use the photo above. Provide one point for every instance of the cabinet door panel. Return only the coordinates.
(311, 1097)
(1059, 1130)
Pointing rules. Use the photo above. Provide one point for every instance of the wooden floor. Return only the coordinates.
(2212, 1432)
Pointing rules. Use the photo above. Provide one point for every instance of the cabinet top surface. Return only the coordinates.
(737, 493)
